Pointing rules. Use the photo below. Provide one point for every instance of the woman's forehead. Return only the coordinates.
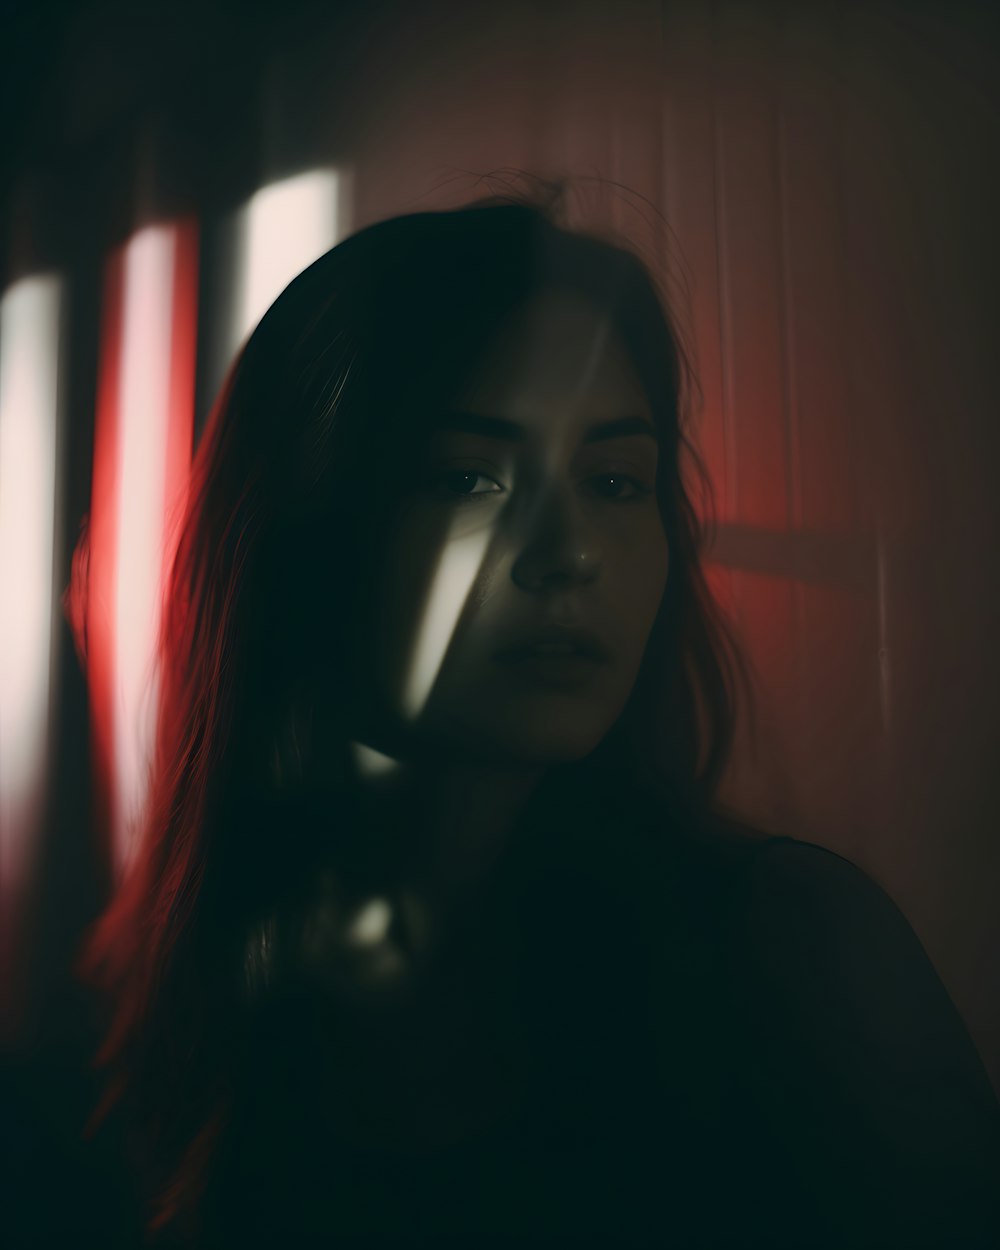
(559, 353)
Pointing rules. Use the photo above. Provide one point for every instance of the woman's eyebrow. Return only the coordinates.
(511, 431)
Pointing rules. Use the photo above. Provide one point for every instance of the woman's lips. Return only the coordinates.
(561, 667)
(556, 642)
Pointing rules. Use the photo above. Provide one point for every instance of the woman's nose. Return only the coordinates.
(558, 549)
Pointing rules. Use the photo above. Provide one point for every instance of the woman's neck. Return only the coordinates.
(461, 814)
(470, 815)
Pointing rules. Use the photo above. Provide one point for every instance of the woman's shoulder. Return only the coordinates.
(793, 887)
(855, 1048)
(821, 938)
(782, 885)
(813, 920)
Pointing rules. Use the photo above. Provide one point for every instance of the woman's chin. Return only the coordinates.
(545, 741)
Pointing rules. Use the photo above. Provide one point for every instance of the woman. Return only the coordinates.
(434, 933)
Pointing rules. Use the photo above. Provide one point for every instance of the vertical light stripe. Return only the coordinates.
(29, 422)
(285, 227)
(144, 413)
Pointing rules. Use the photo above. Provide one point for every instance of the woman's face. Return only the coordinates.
(527, 559)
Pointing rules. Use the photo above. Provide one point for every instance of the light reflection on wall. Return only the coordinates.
(30, 399)
(149, 263)
(284, 227)
(141, 458)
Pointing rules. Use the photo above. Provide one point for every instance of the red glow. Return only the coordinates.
(101, 569)
(142, 452)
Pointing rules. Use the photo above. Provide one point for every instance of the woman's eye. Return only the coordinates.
(465, 484)
(619, 486)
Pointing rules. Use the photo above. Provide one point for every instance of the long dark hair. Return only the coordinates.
(300, 458)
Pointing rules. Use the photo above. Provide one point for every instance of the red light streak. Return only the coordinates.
(142, 451)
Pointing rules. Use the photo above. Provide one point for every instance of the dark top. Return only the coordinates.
(692, 1037)
(669, 1032)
